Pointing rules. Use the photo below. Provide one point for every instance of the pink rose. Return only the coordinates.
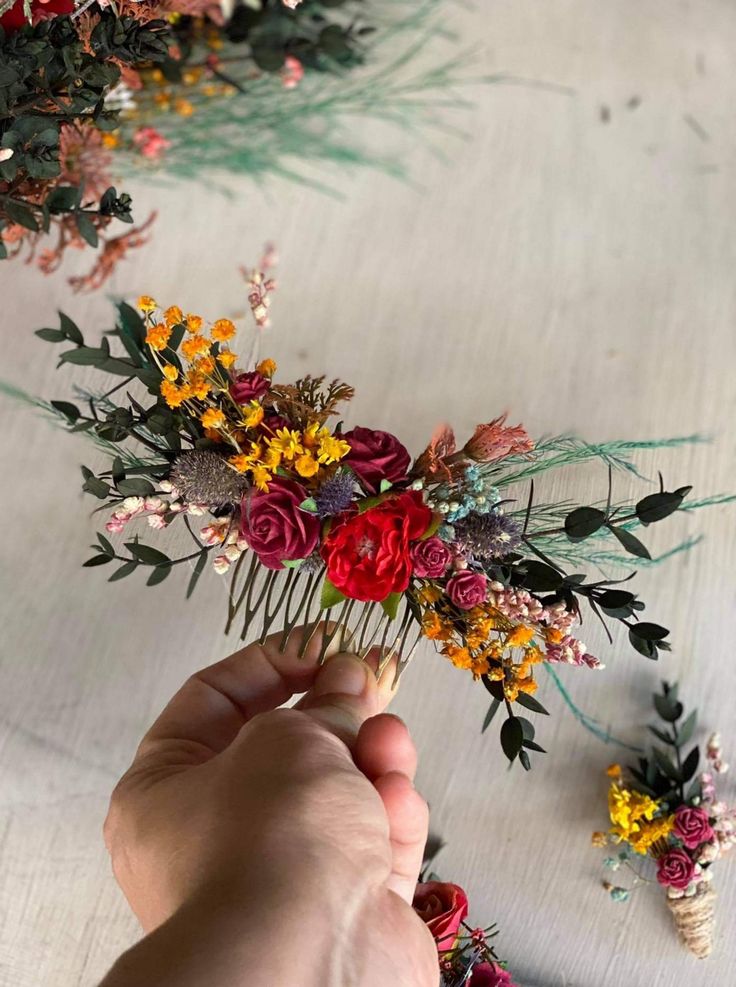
(490, 975)
(442, 907)
(676, 869)
(376, 456)
(467, 589)
(430, 558)
(249, 387)
(692, 826)
(274, 527)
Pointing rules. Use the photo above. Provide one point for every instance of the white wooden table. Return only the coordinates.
(573, 263)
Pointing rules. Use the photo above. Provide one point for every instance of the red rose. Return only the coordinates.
(430, 558)
(274, 527)
(676, 869)
(376, 456)
(442, 907)
(467, 589)
(692, 826)
(367, 555)
(490, 975)
(14, 19)
(249, 387)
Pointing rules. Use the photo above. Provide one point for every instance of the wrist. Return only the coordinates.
(229, 935)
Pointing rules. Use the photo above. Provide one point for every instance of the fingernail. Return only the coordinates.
(343, 674)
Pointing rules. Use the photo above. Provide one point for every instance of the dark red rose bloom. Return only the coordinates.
(431, 558)
(14, 19)
(249, 387)
(692, 826)
(442, 907)
(367, 555)
(376, 456)
(275, 528)
(467, 589)
(490, 975)
(676, 869)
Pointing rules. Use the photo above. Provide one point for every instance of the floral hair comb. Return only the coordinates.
(662, 813)
(308, 520)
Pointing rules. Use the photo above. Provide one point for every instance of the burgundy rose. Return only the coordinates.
(490, 975)
(274, 527)
(430, 558)
(676, 869)
(376, 456)
(467, 589)
(692, 826)
(249, 387)
(442, 907)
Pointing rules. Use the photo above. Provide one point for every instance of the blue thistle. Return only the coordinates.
(488, 536)
(336, 494)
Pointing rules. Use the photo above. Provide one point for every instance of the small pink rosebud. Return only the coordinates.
(221, 564)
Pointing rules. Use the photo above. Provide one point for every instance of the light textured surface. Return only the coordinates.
(574, 271)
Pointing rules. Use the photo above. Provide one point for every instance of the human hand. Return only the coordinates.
(276, 846)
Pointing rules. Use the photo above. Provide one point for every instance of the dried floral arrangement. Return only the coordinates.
(307, 520)
(186, 88)
(466, 956)
(663, 814)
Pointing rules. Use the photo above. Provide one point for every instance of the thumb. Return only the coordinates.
(344, 695)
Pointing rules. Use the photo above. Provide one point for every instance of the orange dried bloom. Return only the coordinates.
(198, 384)
(174, 395)
(227, 358)
(212, 418)
(222, 330)
(147, 304)
(306, 465)
(170, 372)
(158, 336)
(204, 365)
(193, 322)
(519, 636)
(267, 368)
(195, 346)
(241, 462)
(174, 316)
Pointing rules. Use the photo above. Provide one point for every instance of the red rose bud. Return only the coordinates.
(376, 456)
(676, 869)
(275, 528)
(442, 907)
(692, 826)
(467, 589)
(495, 441)
(490, 975)
(367, 555)
(430, 558)
(14, 19)
(249, 387)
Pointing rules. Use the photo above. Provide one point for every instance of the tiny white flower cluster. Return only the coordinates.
(715, 754)
(221, 533)
(157, 510)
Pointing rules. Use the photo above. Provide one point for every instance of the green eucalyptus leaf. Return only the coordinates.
(512, 737)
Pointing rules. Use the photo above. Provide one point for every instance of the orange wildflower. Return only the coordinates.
(222, 330)
(195, 346)
(227, 358)
(174, 395)
(193, 322)
(267, 368)
(212, 418)
(174, 316)
(147, 304)
(519, 636)
(158, 336)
